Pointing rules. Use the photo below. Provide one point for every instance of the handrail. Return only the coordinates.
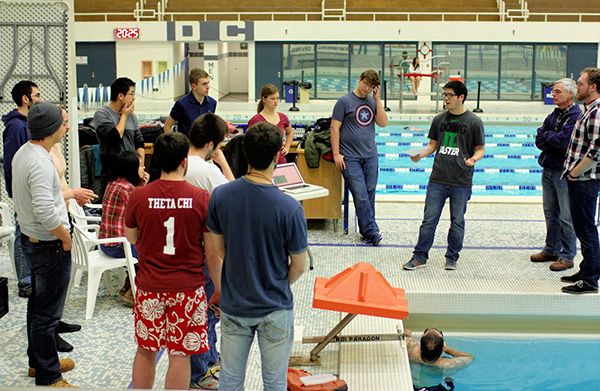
(204, 15)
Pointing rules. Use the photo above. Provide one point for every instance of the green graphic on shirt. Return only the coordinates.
(449, 140)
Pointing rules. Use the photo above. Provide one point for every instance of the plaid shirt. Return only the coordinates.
(115, 200)
(585, 141)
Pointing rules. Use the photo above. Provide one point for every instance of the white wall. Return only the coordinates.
(238, 72)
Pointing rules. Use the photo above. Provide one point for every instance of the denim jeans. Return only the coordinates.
(361, 177)
(275, 336)
(560, 235)
(201, 362)
(118, 251)
(583, 198)
(434, 203)
(50, 274)
(21, 265)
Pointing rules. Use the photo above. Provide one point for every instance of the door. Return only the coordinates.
(269, 67)
(98, 65)
(581, 55)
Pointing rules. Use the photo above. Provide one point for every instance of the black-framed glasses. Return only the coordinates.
(448, 94)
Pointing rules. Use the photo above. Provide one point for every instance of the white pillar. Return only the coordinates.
(424, 95)
(211, 66)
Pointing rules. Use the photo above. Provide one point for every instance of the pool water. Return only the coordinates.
(509, 166)
(504, 364)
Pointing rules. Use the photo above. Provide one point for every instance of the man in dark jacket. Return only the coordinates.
(25, 93)
(552, 139)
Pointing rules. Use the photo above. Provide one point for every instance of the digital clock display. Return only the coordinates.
(127, 33)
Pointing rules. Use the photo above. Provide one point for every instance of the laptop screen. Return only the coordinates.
(286, 174)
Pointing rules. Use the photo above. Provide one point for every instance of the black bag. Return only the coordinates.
(322, 124)
(151, 131)
(87, 136)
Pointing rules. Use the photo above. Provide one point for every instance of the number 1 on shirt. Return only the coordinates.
(169, 248)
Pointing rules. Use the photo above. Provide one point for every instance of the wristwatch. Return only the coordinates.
(573, 177)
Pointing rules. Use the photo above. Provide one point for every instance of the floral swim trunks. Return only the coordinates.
(176, 321)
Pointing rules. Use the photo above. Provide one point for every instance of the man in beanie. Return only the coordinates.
(45, 240)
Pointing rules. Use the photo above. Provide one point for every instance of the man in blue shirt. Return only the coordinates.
(354, 150)
(193, 105)
(25, 93)
(264, 232)
(552, 139)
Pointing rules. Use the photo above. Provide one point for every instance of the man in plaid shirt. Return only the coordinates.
(582, 170)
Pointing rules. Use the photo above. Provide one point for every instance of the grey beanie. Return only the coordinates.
(43, 120)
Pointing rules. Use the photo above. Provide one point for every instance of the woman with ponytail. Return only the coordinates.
(269, 98)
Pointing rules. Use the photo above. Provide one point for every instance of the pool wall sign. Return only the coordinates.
(225, 31)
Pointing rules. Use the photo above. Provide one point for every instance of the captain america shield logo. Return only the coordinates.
(363, 115)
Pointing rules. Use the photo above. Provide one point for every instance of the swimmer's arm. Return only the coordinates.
(458, 361)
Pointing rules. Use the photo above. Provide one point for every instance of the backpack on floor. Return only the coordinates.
(294, 383)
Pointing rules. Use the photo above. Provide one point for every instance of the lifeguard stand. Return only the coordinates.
(439, 73)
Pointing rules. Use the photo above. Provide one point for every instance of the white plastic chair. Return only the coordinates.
(95, 263)
(79, 216)
(7, 233)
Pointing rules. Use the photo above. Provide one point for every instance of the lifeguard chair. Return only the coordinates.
(439, 74)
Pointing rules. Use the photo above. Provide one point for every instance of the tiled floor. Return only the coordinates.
(494, 279)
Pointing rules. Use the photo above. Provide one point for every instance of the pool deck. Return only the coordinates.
(495, 289)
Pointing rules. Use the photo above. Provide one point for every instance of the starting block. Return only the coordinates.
(360, 289)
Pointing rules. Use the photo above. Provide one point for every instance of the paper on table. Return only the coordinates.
(415, 151)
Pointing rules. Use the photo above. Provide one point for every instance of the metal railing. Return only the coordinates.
(162, 15)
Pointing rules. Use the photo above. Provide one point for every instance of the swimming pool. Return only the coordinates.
(509, 166)
(529, 363)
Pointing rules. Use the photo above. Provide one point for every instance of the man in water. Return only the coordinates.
(429, 368)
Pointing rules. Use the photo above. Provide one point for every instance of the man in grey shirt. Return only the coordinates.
(45, 240)
(457, 138)
(117, 127)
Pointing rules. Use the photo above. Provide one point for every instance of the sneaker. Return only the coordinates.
(373, 240)
(215, 370)
(561, 265)
(543, 257)
(62, 383)
(128, 297)
(580, 287)
(450, 264)
(216, 367)
(66, 364)
(208, 382)
(25, 293)
(413, 264)
(376, 239)
(573, 278)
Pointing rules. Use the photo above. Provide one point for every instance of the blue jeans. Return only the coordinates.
(50, 274)
(361, 177)
(200, 362)
(21, 265)
(583, 198)
(560, 235)
(118, 251)
(434, 203)
(275, 336)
